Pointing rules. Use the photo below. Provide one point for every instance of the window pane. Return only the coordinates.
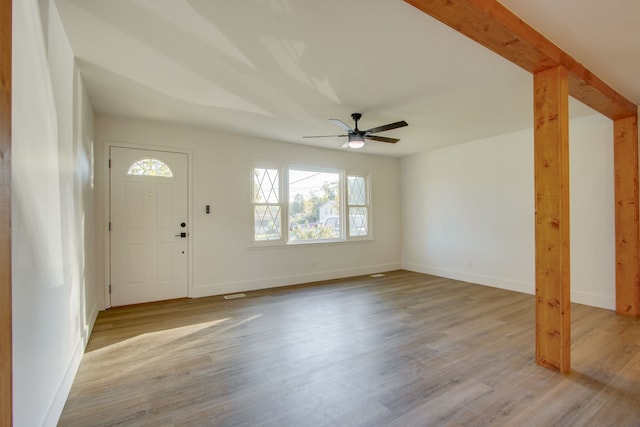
(150, 167)
(265, 186)
(358, 225)
(357, 192)
(266, 222)
(314, 205)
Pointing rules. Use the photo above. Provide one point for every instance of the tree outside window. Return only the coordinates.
(314, 198)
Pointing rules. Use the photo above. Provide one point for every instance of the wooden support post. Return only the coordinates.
(551, 166)
(625, 157)
(495, 27)
(6, 373)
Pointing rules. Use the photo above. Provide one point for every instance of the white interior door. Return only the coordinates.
(149, 230)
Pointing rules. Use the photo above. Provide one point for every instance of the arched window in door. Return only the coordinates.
(150, 167)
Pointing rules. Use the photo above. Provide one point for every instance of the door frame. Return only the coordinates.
(107, 209)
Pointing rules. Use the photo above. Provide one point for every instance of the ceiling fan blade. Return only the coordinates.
(390, 126)
(382, 139)
(324, 136)
(345, 145)
(341, 124)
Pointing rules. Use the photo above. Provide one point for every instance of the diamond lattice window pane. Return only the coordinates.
(267, 223)
(357, 194)
(358, 222)
(150, 167)
(265, 186)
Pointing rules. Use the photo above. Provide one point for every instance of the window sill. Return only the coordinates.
(301, 244)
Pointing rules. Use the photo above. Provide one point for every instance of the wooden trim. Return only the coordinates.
(495, 27)
(625, 157)
(6, 370)
(551, 167)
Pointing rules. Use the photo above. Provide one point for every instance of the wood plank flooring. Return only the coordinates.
(406, 349)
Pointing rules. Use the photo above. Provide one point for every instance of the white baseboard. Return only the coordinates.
(91, 321)
(478, 279)
(272, 282)
(594, 300)
(60, 398)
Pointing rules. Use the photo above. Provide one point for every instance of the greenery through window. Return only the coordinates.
(314, 205)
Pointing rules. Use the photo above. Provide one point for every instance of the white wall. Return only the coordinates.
(592, 204)
(54, 301)
(468, 212)
(223, 258)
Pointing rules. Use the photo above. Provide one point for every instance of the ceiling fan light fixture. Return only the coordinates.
(356, 137)
(356, 141)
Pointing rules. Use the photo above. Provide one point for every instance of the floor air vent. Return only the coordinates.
(234, 296)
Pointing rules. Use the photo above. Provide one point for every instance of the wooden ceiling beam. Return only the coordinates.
(496, 28)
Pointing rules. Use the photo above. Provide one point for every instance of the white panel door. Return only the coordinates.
(149, 230)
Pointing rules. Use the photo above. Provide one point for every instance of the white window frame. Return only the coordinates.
(341, 194)
(281, 204)
(367, 205)
(283, 199)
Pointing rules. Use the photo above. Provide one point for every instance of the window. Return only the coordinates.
(358, 205)
(313, 205)
(267, 210)
(150, 167)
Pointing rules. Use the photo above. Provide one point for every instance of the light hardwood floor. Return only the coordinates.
(406, 349)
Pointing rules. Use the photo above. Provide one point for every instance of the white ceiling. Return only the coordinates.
(280, 69)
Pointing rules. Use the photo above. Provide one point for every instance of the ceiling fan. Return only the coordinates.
(356, 137)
